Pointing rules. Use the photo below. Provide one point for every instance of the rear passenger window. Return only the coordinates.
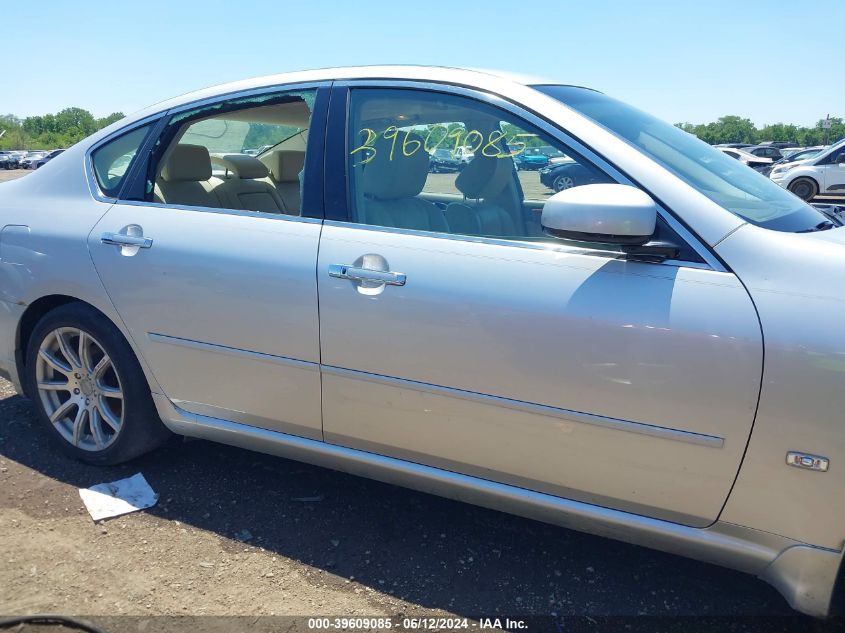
(435, 162)
(246, 154)
(111, 161)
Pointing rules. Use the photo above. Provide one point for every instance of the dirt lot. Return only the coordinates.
(236, 532)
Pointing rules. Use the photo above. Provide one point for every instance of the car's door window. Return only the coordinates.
(445, 163)
(247, 154)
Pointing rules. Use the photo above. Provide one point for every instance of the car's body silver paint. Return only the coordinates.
(622, 340)
(50, 259)
(769, 498)
(252, 288)
(804, 574)
(517, 405)
(796, 281)
(612, 208)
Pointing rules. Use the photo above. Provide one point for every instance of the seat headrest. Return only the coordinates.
(286, 164)
(187, 163)
(484, 177)
(242, 165)
(388, 177)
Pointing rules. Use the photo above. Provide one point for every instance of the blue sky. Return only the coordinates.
(771, 61)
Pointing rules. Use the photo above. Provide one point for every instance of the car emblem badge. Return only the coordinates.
(809, 462)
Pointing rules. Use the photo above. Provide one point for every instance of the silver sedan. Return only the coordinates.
(651, 354)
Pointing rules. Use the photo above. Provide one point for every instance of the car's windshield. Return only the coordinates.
(724, 180)
(803, 155)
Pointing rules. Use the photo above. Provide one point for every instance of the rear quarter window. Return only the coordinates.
(112, 160)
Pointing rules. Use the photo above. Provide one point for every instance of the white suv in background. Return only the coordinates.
(824, 173)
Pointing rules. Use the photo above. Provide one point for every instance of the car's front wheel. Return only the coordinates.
(89, 389)
(804, 188)
(563, 182)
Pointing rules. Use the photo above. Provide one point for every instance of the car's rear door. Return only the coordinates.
(543, 364)
(222, 301)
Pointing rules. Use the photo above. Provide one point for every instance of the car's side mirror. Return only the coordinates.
(601, 213)
(841, 158)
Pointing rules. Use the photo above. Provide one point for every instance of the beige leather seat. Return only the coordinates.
(389, 186)
(482, 180)
(248, 187)
(285, 167)
(186, 178)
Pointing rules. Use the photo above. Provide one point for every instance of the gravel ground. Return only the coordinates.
(11, 174)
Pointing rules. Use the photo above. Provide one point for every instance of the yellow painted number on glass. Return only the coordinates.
(413, 143)
(390, 134)
(428, 148)
(491, 149)
(522, 144)
(469, 143)
(367, 146)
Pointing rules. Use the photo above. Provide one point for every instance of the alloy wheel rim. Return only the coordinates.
(563, 182)
(79, 388)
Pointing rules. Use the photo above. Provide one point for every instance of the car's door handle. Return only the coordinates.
(119, 239)
(343, 271)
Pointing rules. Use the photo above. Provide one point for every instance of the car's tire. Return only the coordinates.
(804, 188)
(562, 182)
(81, 371)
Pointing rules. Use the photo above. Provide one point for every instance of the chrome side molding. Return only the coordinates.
(629, 426)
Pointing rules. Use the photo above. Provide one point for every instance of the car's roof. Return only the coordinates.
(484, 79)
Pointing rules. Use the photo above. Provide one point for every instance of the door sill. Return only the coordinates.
(725, 544)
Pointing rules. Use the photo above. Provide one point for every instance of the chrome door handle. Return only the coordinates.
(342, 271)
(119, 239)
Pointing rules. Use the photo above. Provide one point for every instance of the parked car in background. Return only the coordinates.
(32, 157)
(597, 359)
(778, 144)
(764, 151)
(46, 159)
(734, 145)
(531, 159)
(566, 173)
(757, 163)
(801, 153)
(444, 161)
(9, 159)
(823, 173)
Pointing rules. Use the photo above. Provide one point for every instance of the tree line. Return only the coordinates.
(51, 131)
(735, 129)
(71, 125)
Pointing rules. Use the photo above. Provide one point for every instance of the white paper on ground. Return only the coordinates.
(118, 497)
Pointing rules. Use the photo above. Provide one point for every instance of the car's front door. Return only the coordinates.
(459, 336)
(219, 294)
(834, 173)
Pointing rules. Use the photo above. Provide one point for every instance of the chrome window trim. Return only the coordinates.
(556, 246)
(250, 92)
(99, 196)
(499, 101)
(90, 176)
(237, 212)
